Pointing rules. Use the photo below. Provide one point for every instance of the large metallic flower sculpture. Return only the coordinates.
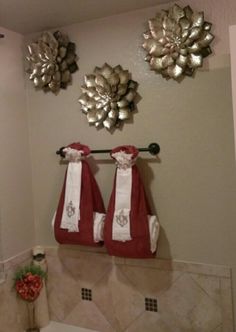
(52, 60)
(108, 96)
(177, 41)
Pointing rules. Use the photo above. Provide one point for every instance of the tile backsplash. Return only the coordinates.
(183, 296)
(111, 294)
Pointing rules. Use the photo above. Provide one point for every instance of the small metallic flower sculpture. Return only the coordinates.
(177, 41)
(108, 96)
(52, 60)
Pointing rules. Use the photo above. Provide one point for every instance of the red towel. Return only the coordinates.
(139, 245)
(90, 202)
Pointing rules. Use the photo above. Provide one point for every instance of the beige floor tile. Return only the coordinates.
(226, 305)
(128, 302)
(118, 299)
(87, 315)
(102, 297)
(206, 315)
(210, 284)
(62, 289)
(150, 282)
(86, 267)
(180, 306)
(150, 322)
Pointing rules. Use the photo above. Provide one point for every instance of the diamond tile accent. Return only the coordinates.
(151, 304)
(86, 294)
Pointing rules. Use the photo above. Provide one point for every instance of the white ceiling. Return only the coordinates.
(28, 16)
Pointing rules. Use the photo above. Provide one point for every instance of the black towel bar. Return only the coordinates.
(152, 148)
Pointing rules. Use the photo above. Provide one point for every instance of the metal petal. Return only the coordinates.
(108, 123)
(100, 80)
(198, 19)
(122, 88)
(175, 71)
(124, 77)
(113, 105)
(184, 35)
(63, 66)
(122, 103)
(106, 70)
(130, 95)
(62, 52)
(206, 51)
(101, 115)
(114, 79)
(147, 35)
(124, 113)
(195, 33)
(183, 51)
(157, 49)
(101, 91)
(132, 85)
(182, 60)
(157, 34)
(90, 104)
(177, 13)
(184, 23)
(206, 39)
(89, 80)
(118, 69)
(46, 79)
(37, 82)
(66, 76)
(113, 114)
(70, 58)
(195, 61)
(98, 124)
(194, 48)
(155, 24)
(167, 61)
(188, 12)
(33, 48)
(207, 26)
(91, 92)
(83, 99)
(168, 24)
(57, 76)
(92, 116)
(156, 64)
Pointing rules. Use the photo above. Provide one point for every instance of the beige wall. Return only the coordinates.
(193, 187)
(16, 203)
(233, 73)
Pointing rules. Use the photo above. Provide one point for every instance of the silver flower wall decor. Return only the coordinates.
(177, 41)
(109, 96)
(51, 61)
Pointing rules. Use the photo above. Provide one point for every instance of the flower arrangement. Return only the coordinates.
(28, 282)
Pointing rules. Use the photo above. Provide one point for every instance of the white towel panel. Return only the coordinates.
(71, 209)
(121, 218)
